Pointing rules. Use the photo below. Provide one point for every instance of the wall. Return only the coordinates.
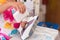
(42, 12)
(53, 11)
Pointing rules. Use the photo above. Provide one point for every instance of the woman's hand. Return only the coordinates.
(18, 5)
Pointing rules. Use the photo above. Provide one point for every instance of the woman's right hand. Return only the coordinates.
(18, 5)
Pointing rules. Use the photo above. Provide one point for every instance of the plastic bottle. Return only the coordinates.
(8, 14)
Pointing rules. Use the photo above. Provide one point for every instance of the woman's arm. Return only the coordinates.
(4, 7)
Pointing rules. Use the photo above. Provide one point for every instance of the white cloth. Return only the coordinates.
(42, 33)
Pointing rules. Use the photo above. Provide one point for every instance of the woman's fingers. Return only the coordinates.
(22, 7)
(16, 7)
(13, 4)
